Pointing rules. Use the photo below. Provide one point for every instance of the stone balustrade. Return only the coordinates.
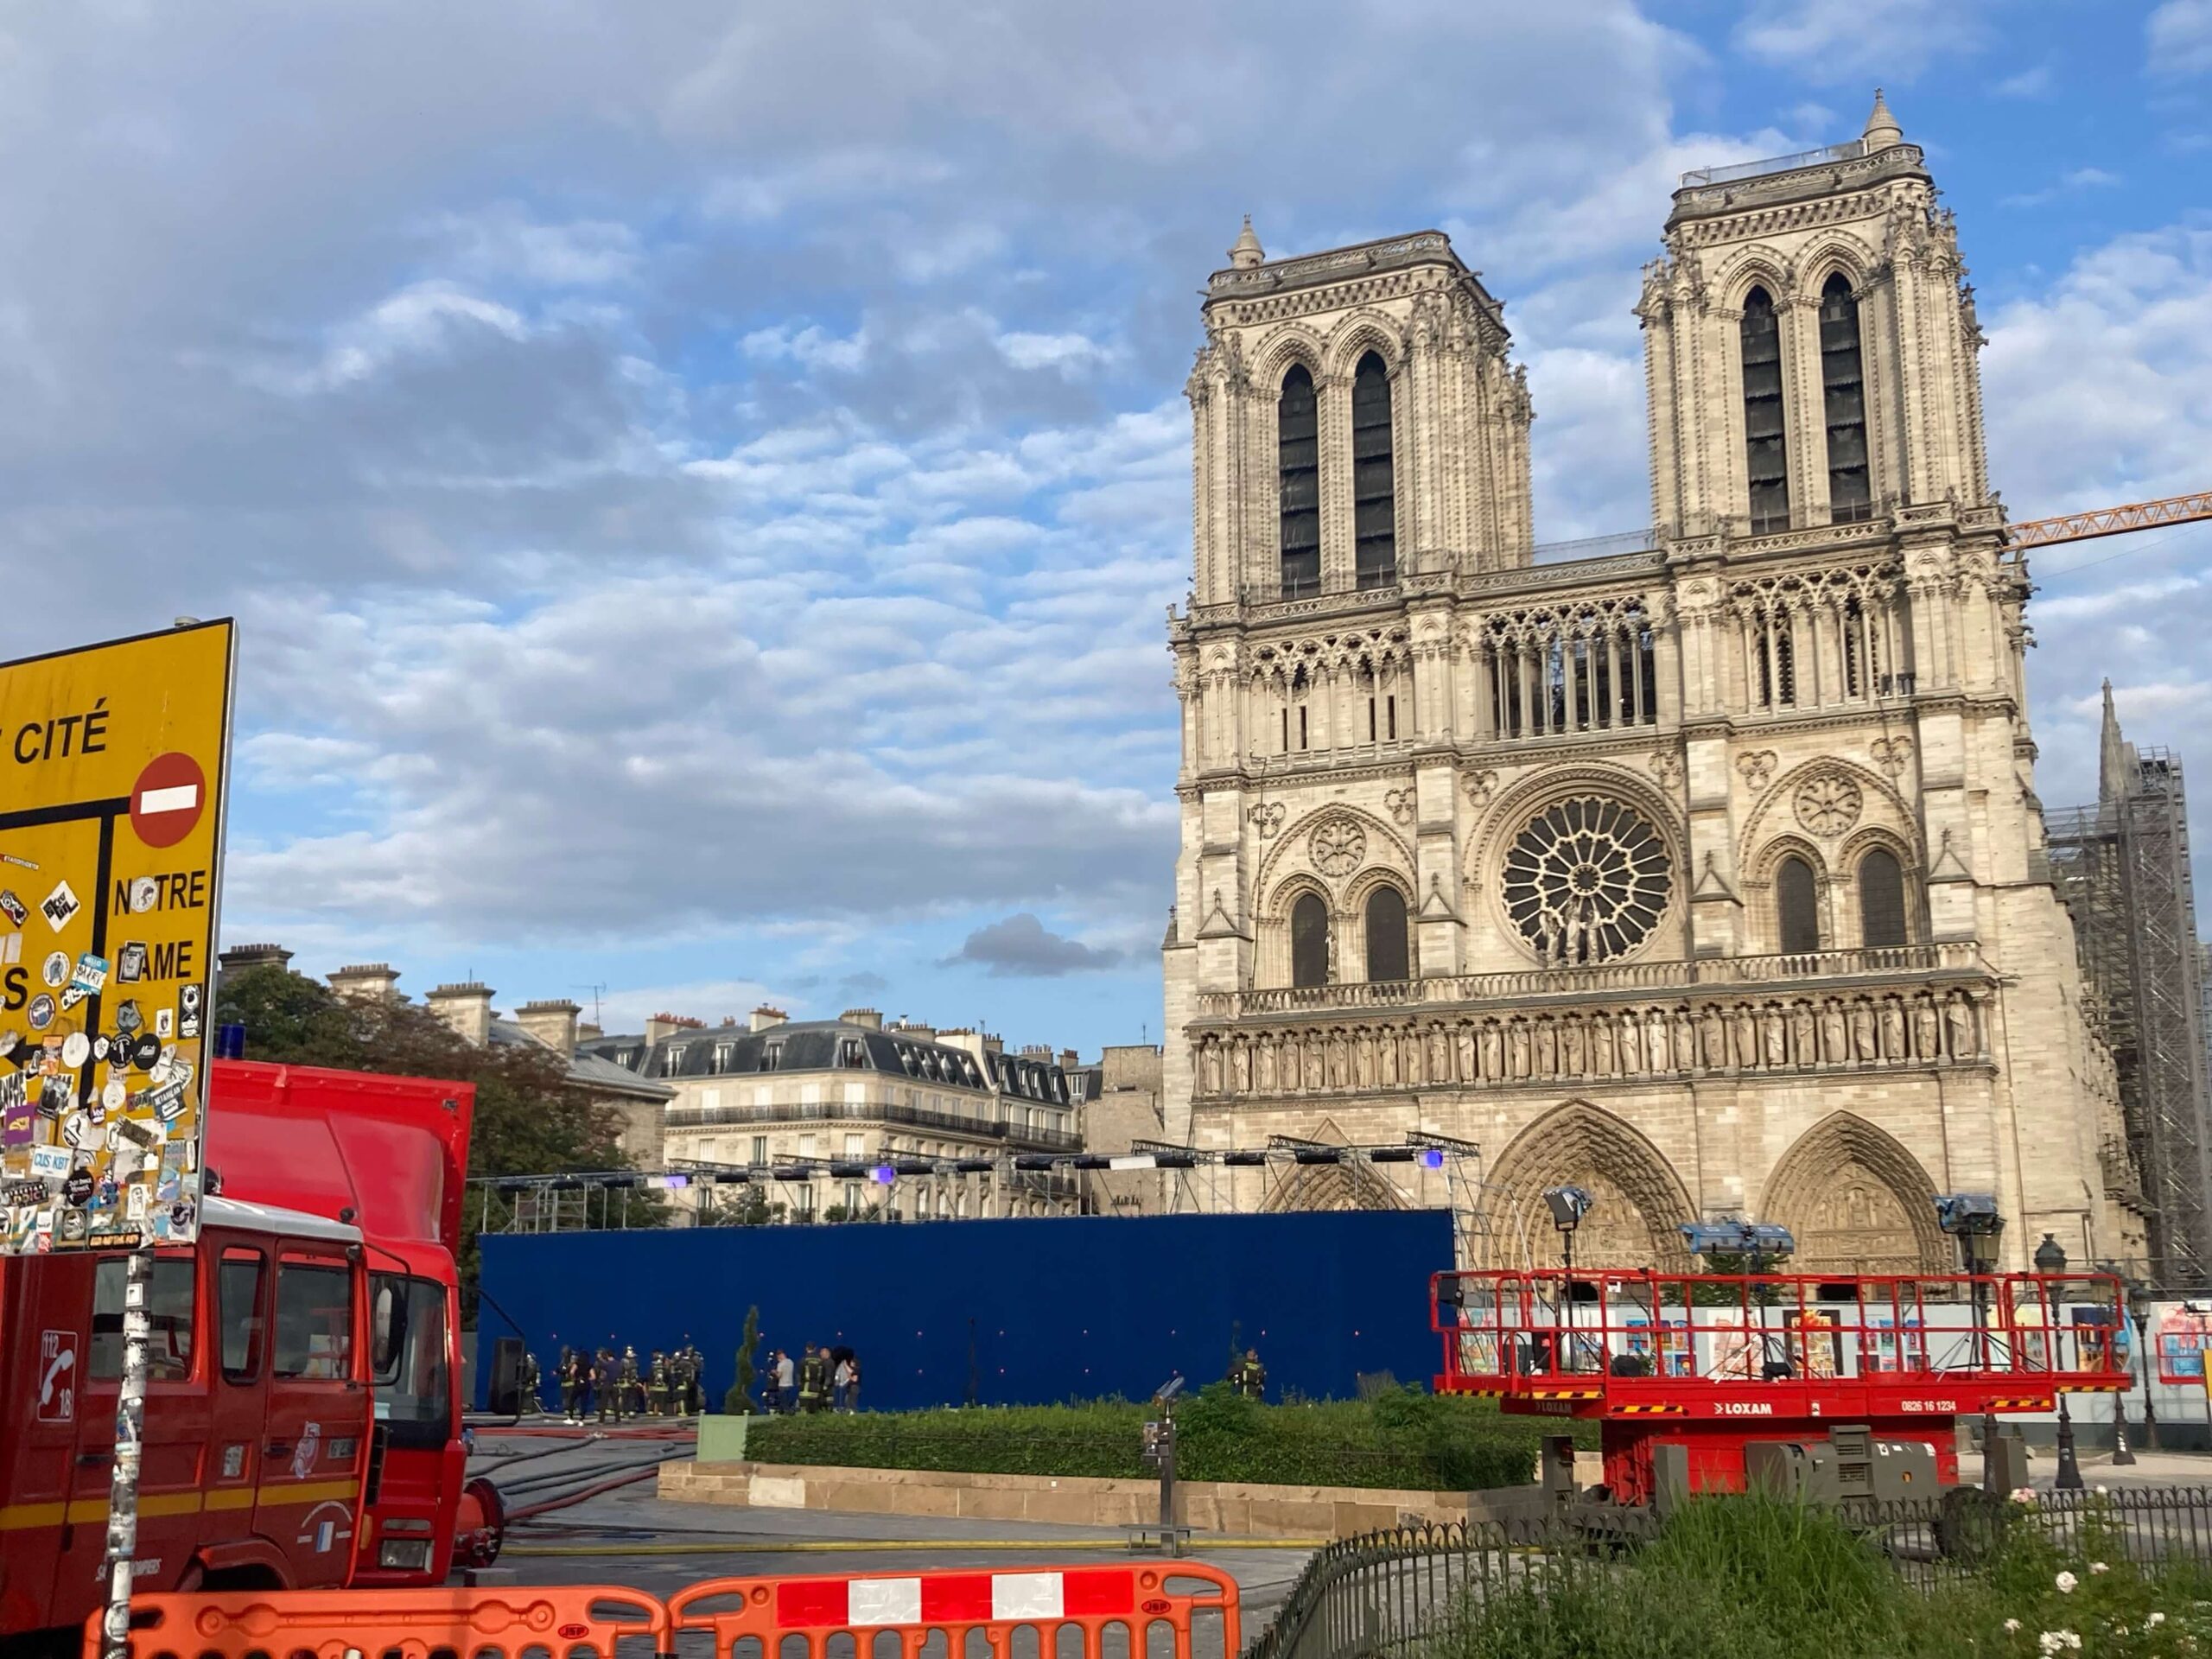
(1521, 985)
(1753, 1032)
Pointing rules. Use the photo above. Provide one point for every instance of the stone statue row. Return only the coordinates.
(1801, 1034)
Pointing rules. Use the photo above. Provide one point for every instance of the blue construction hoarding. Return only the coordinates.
(1007, 1313)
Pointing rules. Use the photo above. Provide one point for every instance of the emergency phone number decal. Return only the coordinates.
(112, 764)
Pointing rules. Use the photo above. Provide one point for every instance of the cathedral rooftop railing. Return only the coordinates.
(1885, 961)
(1697, 177)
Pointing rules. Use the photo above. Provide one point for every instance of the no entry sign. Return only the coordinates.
(167, 799)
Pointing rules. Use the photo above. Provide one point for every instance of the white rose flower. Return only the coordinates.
(2099, 1567)
(2066, 1581)
(2012, 1625)
(2154, 1621)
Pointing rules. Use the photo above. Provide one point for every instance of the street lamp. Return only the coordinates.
(2122, 1453)
(1972, 1218)
(2050, 1259)
(1568, 1204)
(2138, 1309)
(1758, 1240)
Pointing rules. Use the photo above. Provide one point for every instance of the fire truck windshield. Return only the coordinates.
(414, 1397)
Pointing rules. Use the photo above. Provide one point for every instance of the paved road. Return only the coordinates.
(630, 1537)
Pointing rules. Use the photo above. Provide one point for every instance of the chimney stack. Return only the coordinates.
(667, 1025)
(553, 1023)
(764, 1016)
(466, 1009)
(371, 981)
(871, 1018)
(239, 957)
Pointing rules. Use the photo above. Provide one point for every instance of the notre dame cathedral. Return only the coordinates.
(1707, 873)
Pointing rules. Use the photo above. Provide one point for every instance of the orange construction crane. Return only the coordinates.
(2110, 521)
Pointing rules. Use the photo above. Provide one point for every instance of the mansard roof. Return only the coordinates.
(820, 1045)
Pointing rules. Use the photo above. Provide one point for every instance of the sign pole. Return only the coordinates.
(130, 1419)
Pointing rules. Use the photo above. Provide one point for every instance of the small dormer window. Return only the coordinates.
(851, 1053)
(725, 1056)
(671, 1061)
(771, 1055)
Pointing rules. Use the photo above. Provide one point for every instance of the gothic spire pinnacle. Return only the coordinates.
(1247, 252)
(1882, 130)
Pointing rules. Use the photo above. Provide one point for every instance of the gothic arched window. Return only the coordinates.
(1766, 455)
(1298, 473)
(1388, 955)
(1309, 941)
(1374, 491)
(1881, 899)
(1798, 905)
(1851, 496)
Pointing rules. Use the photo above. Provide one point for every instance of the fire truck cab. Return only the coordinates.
(258, 1418)
(389, 1154)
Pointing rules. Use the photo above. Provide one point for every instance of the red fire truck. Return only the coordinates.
(303, 1409)
(257, 1424)
(1705, 1381)
(390, 1156)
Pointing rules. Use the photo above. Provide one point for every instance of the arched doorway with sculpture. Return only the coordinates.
(1857, 1202)
(1640, 1202)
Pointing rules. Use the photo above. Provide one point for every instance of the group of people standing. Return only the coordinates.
(668, 1385)
(821, 1379)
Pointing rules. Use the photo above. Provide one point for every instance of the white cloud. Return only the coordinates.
(2070, 183)
(2178, 38)
(1069, 355)
(2029, 83)
(1870, 39)
(503, 243)
(2100, 391)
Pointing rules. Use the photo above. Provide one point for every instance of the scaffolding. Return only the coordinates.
(2122, 866)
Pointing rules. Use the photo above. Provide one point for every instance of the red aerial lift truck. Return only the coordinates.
(1836, 1386)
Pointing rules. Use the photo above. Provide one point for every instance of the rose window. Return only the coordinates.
(1586, 881)
(1337, 846)
(1827, 805)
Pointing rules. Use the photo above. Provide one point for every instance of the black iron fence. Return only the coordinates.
(1391, 1593)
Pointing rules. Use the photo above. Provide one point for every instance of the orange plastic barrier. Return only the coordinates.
(1047, 1599)
(333, 1623)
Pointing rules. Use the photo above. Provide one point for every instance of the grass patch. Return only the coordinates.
(1409, 1440)
(1760, 1578)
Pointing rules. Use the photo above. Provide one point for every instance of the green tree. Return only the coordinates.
(738, 1401)
(750, 1208)
(528, 1120)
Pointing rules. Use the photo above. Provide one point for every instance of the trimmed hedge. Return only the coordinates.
(1409, 1441)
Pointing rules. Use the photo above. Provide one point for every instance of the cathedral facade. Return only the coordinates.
(1707, 874)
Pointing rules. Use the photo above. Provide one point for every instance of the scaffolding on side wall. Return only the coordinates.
(2123, 867)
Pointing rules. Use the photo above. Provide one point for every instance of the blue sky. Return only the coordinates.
(701, 484)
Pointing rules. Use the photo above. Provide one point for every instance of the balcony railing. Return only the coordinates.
(1952, 956)
(1699, 176)
(838, 1111)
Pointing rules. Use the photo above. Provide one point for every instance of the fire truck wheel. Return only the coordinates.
(1969, 1524)
(482, 1524)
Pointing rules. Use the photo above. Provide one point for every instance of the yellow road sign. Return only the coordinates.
(113, 763)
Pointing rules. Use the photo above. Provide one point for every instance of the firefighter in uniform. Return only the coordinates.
(691, 1366)
(606, 1385)
(526, 1383)
(576, 1384)
(633, 1386)
(814, 1380)
(658, 1386)
(1248, 1377)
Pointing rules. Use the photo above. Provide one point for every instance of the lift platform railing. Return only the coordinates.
(1608, 1340)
